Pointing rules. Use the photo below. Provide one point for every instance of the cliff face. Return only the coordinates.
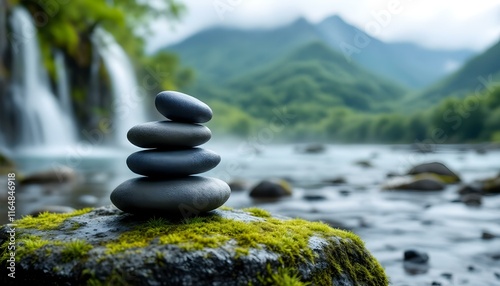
(223, 247)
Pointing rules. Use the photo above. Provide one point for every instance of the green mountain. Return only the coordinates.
(316, 75)
(406, 63)
(220, 54)
(310, 82)
(480, 71)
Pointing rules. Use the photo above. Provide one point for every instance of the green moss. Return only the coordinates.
(25, 245)
(258, 212)
(75, 249)
(48, 221)
(283, 277)
(443, 178)
(289, 238)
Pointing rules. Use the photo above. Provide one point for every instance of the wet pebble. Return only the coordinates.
(487, 235)
(416, 256)
(314, 197)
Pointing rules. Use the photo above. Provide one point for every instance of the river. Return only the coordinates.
(389, 222)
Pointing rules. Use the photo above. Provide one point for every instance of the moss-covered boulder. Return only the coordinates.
(437, 169)
(105, 246)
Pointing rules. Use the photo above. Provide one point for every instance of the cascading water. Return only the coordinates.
(42, 122)
(63, 91)
(128, 105)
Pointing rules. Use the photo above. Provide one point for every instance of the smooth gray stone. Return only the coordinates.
(182, 107)
(164, 134)
(181, 196)
(172, 163)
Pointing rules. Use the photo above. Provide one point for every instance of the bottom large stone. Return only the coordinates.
(105, 246)
(182, 196)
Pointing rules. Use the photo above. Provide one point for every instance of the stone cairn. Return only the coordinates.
(172, 157)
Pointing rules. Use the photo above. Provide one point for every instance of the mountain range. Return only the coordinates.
(330, 75)
(221, 53)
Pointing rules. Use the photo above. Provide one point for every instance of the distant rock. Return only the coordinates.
(313, 197)
(417, 183)
(416, 256)
(472, 199)
(364, 163)
(313, 148)
(61, 174)
(335, 181)
(488, 235)
(437, 168)
(473, 188)
(486, 187)
(271, 190)
(105, 246)
(415, 262)
(491, 186)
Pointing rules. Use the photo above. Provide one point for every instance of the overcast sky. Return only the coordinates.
(430, 23)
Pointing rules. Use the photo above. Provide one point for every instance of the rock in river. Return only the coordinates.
(171, 163)
(271, 190)
(417, 183)
(437, 168)
(181, 107)
(180, 196)
(165, 134)
(106, 246)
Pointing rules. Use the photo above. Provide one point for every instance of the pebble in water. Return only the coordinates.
(168, 186)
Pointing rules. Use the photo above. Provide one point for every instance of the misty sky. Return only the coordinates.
(430, 23)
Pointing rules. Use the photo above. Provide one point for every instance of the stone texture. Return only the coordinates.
(165, 134)
(175, 196)
(172, 163)
(181, 107)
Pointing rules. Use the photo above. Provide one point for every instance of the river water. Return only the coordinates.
(389, 222)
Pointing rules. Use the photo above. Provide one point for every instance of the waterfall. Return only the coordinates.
(41, 119)
(63, 91)
(128, 105)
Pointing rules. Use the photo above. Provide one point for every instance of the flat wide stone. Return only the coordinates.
(172, 163)
(181, 196)
(164, 134)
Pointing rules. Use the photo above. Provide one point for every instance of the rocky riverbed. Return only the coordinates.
(340, 185)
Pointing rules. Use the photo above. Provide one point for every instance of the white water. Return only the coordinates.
(63, 91)
(43, 122)
(128, 105)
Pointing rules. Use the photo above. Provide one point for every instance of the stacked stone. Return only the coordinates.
(168, 186)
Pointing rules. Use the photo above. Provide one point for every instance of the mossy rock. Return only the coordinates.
(105, 246)
(438, 169)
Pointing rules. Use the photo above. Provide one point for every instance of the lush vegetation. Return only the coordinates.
(69, 26)
(293, 81)
(326, 98)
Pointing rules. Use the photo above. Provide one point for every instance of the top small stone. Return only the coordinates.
(181, 107)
